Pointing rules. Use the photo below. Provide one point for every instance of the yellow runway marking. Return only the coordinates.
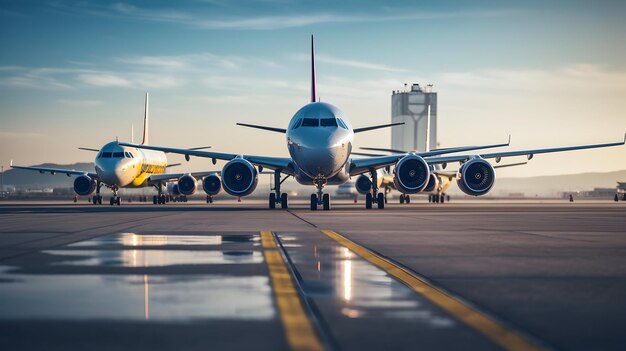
(501, 335)
(298, 327)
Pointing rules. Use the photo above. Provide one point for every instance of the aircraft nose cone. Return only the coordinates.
(114, 174)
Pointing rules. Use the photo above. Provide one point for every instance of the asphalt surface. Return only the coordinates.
(197, 276)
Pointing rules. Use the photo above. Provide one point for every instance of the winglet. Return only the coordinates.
(509, 142)
(11, 164)
(624, 139)
(313, 84)
(145, 123)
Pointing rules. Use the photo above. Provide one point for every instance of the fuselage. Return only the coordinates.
(128, 167)
(319, 139)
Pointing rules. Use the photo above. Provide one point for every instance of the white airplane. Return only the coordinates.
(438, 183)
(319, 139)
(118, 166)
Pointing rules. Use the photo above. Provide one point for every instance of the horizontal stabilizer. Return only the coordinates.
(271, 129)
(88, 149)
(174, 165)
(365, 129)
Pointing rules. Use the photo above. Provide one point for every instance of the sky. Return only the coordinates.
(74, 74)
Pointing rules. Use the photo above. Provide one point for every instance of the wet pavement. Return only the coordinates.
(210, 280)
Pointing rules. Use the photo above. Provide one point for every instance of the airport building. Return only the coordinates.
(411, 107)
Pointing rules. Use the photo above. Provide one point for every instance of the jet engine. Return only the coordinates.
(239, 177)
(212, 184)
(411, 174)
(476, 177)
(84, 185)
(187, 185)
(363, 184)
(172, 188)
(433, 183)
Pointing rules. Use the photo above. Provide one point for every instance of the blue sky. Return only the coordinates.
(73, 73)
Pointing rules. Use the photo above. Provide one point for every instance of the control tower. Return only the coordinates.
(411, 107)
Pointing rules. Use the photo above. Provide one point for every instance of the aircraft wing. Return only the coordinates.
(528, 153)
(165, 177)
(280, 163)
(67, 172)
(359, 166)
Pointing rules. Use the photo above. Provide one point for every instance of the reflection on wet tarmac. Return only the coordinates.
(138, 240)
(360, 289)
(136, 297)
(153, 258)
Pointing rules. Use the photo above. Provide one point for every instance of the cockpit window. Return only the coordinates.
(118, 155)
(310, 122)
(106, 155)
(328, 122)
(342, 124)
(127, 154)
(297, 124)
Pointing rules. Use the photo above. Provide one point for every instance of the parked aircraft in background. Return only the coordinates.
(319, 140)
(118, 166)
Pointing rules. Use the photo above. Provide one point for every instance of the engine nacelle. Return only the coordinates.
(239, 177)
(84, 185)
(433, 183)
(187, 185)
(476, 177)
(411, 174)
(212, 184)
(172, 188)
(363, 184)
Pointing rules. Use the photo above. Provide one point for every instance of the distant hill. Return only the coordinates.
(554, 185)
(34, 180)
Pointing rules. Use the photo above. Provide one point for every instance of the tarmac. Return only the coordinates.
(467, 275)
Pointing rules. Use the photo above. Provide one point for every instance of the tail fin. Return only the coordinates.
(313, 84)
(145, 124)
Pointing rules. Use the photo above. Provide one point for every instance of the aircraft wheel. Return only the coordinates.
(111, 201)
(99, 199)
(313, 202)
(380, 200)
(118, 200)
(326, 201)
(154, 200)
(283, 201)
(272, 200)
(368, 200)
(94, 200)
(407, 199)
(442, 199)
(401, 198)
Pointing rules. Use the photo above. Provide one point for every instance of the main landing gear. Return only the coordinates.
(375, 197)
(320, 199)
(159, 199)
(278, 197)
(438, 198)
(405, 199)
(115, 200)
(97, 199)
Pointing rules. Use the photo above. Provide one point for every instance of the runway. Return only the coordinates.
(471, 275)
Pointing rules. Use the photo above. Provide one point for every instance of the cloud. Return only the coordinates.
(270, 22)
(349, 63)
(579, 78)
(104, 80)
(80, 103)
(196, 62)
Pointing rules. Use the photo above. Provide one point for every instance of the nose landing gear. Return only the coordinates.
(320, 198)
(115, 200)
